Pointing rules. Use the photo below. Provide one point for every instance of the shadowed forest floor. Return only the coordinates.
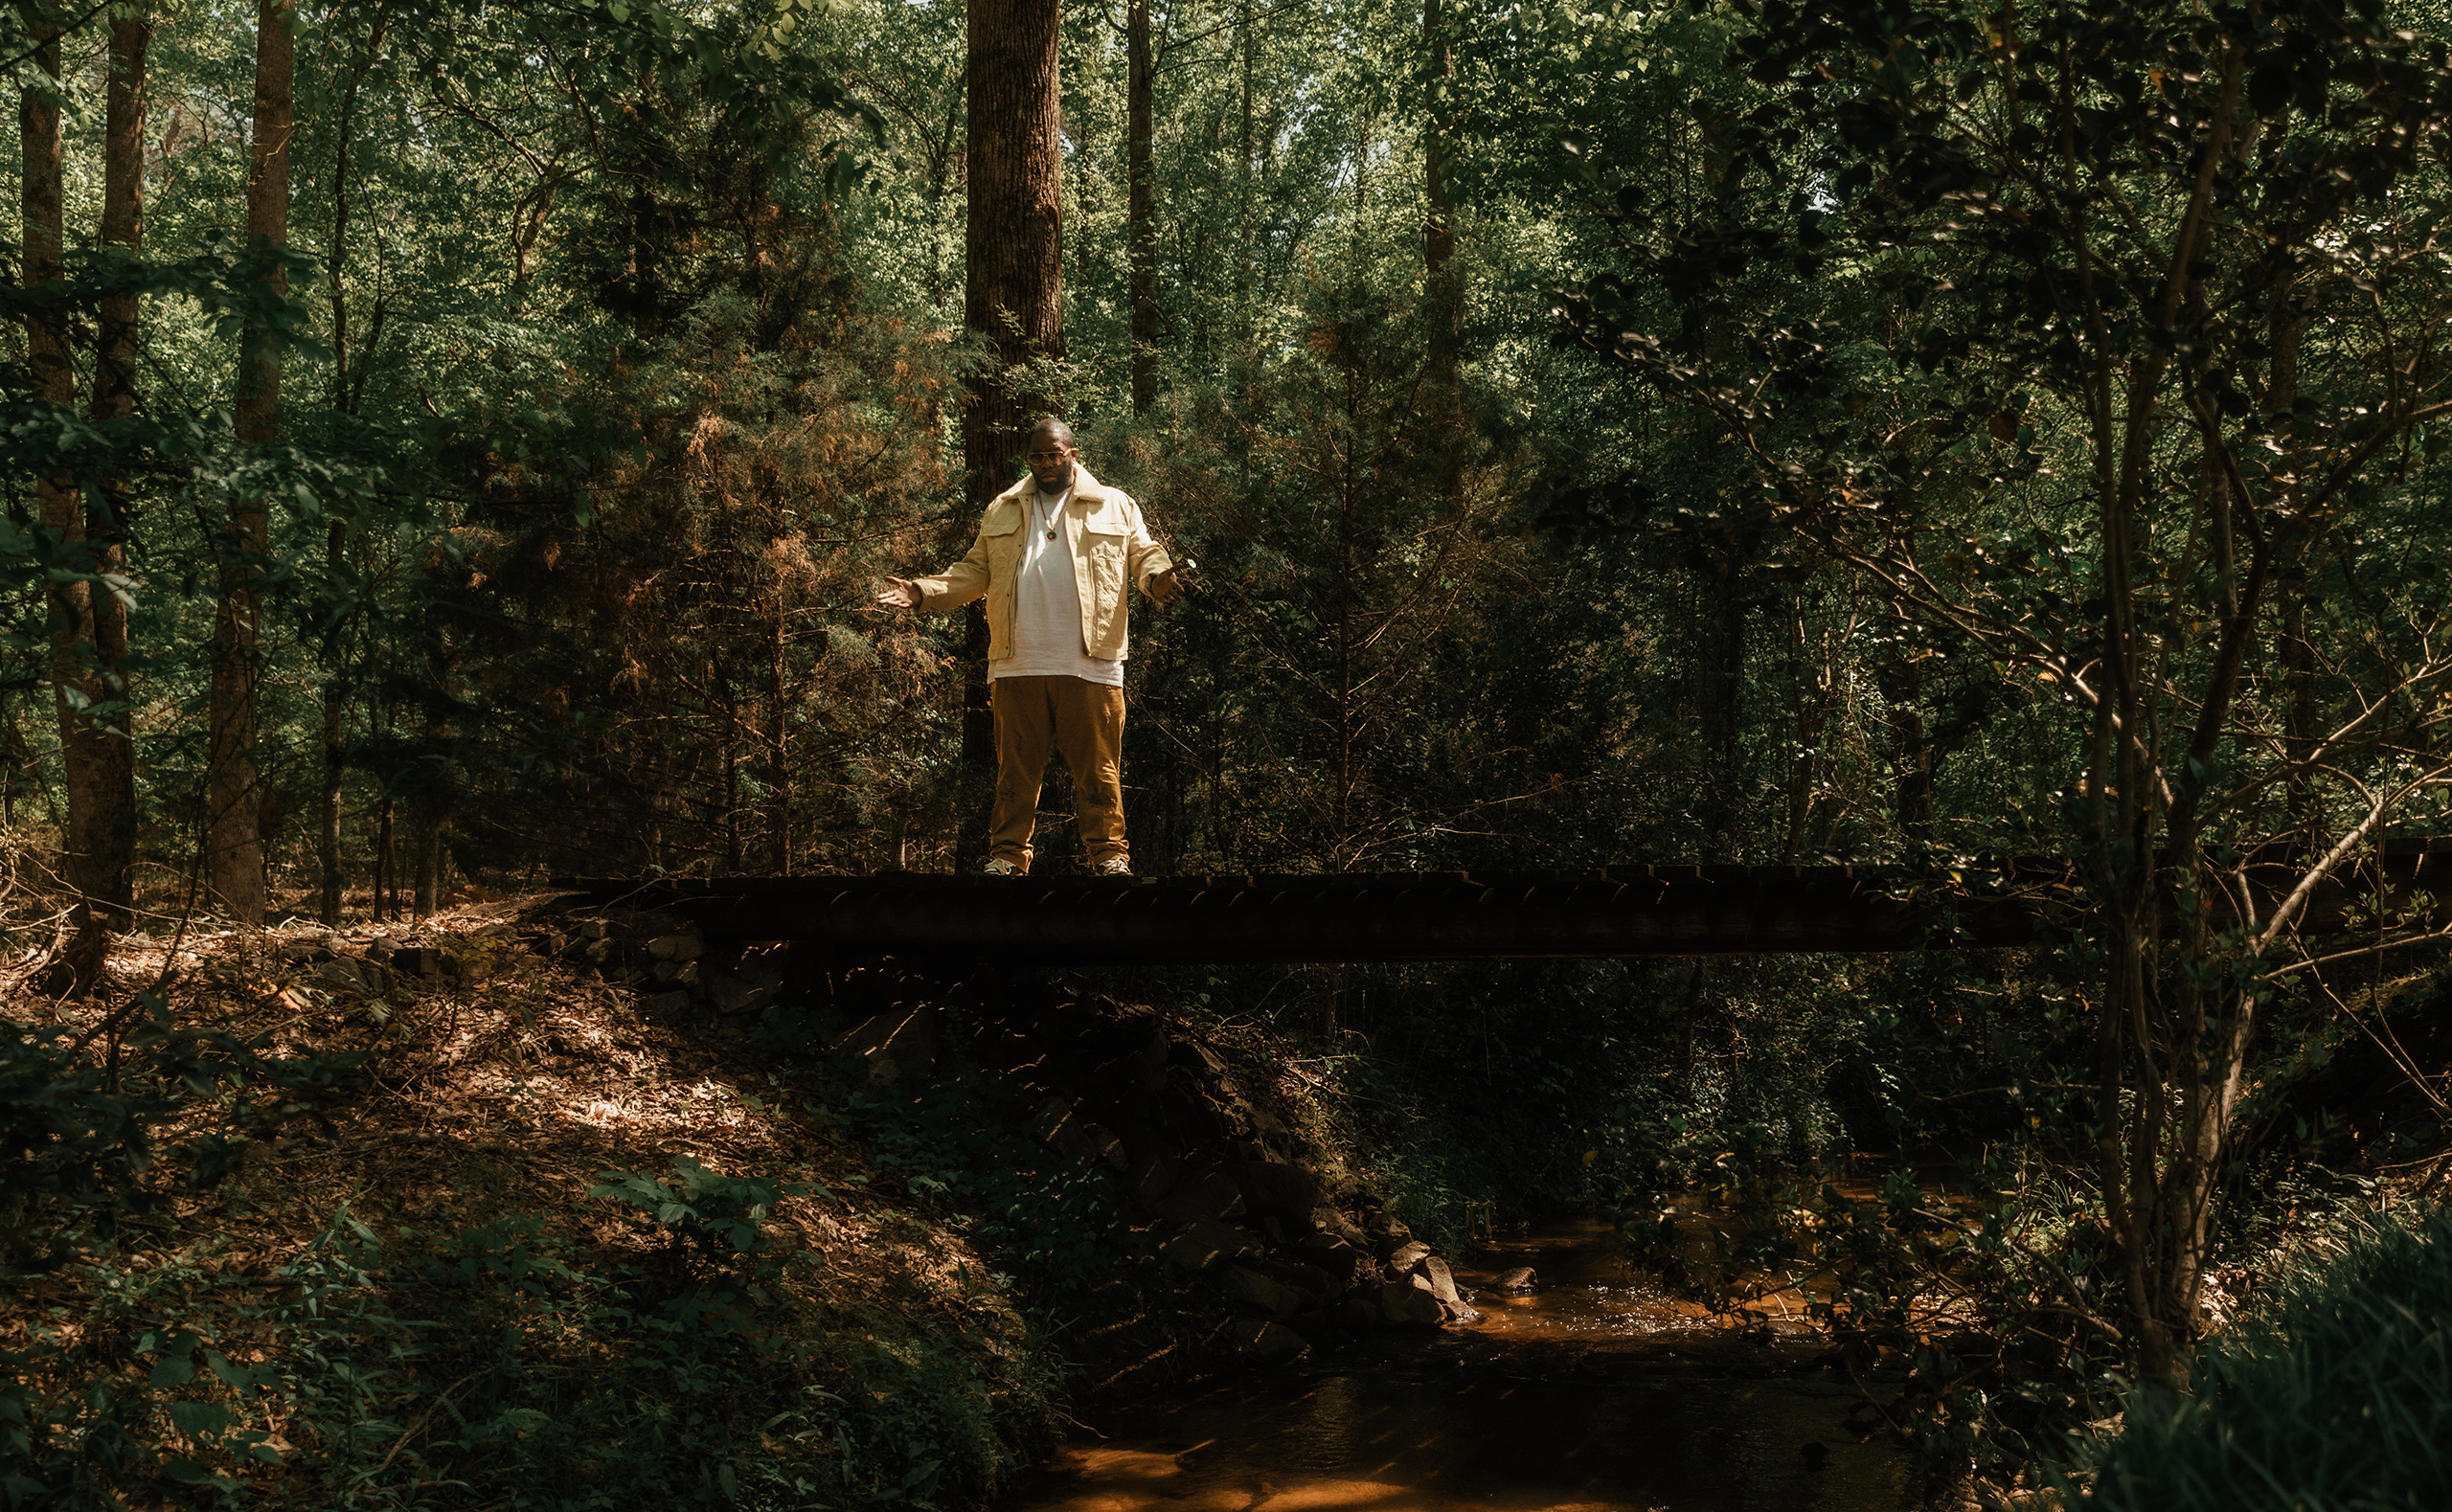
(421, 1199)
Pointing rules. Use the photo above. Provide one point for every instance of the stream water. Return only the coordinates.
(1594, 1394)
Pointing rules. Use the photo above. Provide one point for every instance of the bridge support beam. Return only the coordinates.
(1563, 915)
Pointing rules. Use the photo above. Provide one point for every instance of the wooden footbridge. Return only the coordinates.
(1456, 915)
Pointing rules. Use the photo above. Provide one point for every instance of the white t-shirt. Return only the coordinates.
(1047, 604)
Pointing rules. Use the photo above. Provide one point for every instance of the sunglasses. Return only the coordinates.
(1038, 457)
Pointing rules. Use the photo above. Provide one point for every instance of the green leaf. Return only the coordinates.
(198, 1419)
(177, 1370)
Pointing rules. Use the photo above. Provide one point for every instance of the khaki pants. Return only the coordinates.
(1082, 720)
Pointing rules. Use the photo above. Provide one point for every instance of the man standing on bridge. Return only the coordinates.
(1052, 556)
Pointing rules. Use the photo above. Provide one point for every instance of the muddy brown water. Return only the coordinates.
(1598, 1392)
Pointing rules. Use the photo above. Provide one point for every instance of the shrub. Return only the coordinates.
(2336, 1393)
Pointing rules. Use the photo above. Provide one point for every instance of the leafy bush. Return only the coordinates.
(1045, 1214)
(492, 1367)
(713, 1214)
(1975, 1294)
(2335, 1393)
(498, 1366)
(68, 1149)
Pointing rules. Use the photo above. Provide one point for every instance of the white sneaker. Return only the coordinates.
(1113, 866)
(1002, 866)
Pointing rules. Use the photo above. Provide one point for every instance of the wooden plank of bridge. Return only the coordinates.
(1453, 915)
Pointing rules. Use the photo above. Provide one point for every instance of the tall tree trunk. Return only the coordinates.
(81, 679)
(335, 743)
(2297, 655)
(1248, 44)
(119, 344)
(1443, 291)
(1438, 230)
(335, 702)
(1141, 207)
(425, 840)
(1344, 851)
(1013, 295)
(233, 834)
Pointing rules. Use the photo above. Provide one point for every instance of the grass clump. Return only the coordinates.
(2335, 1394)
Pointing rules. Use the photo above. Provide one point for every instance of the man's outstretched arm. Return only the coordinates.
(1151, 568)
(957, 585)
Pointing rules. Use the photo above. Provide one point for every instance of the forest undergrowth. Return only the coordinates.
(410, 1216)
(1888, 1151)
(501, 1240)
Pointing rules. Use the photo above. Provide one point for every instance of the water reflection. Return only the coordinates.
(1595, 1391)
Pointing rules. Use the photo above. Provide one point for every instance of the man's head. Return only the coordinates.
(1050, 454)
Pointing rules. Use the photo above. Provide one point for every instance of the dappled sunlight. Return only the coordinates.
(428, 1163)
(507, 1083)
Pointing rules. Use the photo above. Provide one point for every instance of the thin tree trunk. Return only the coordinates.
(232, 835)
(1345, 629)
(16, 762)
(733, 851)
(425, 840)
(1142, 212)
(335, 742)
(728, 754)
(385, 888)
(779, 766)
(1721, 676)
(1013, 295)
(1813, 688)
(1911, 753)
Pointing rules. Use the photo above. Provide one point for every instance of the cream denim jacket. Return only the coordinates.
(1109, 543)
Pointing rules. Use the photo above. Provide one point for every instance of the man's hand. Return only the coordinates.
(1165, 588)
(899, 592)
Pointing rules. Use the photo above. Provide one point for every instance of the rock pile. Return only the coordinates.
(1209, 1175)
(660, 956)
(372, 960)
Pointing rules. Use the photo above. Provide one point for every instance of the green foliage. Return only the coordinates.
(705, 1209)
(1970, 1303)
(607, 401)
(2336, 1393)
(486, 1367)
(69, 1149)
(500, 1364)
(973, 1152)
(74, 1142)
